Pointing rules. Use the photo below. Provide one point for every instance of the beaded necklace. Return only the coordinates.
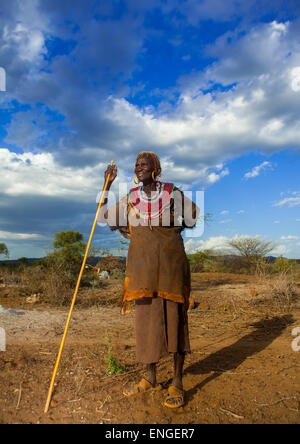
(151, 207)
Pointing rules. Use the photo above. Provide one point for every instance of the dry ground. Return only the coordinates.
(242, 368)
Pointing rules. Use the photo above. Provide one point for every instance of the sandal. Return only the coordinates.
(142, 386)
(175, 398)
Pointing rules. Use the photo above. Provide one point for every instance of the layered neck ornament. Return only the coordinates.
(149, 208)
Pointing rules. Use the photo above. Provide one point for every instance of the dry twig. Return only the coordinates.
(228, 412)
(273, 403)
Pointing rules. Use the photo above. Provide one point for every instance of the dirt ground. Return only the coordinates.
(242, 368)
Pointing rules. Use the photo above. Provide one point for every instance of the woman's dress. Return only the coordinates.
(157, 271)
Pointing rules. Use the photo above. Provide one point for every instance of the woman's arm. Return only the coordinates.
(116, 216)
(111, 170)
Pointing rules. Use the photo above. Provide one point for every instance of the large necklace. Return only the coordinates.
(151, 207)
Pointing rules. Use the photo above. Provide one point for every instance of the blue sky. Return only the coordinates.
(212, 87)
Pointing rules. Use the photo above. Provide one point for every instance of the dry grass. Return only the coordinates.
(281, 286)
(227, 292)
(53, 285)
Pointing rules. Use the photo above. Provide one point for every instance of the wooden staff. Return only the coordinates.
(74, 298)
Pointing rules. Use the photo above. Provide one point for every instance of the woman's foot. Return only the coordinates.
(142, 386)
(175, 397)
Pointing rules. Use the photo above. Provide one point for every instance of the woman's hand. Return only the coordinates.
(112, 170)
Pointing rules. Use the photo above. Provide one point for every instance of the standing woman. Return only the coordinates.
(153, 216)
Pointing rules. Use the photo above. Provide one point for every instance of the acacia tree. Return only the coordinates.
(4, 250)
(251, 246)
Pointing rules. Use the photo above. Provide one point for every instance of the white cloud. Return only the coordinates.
(20, 236)
(280, 250)
(289, 238)
(213, 243)
(28, 40)
(39, 174)
(196, 134)
(214, 177)
(224, 212)
(225, 221)
(257, 170)
(288, 201)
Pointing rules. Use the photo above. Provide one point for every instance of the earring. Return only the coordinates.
(155, 178)
(135, 181)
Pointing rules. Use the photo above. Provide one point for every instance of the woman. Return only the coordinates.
(157, 270)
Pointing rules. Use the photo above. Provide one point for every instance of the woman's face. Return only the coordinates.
(144, 169)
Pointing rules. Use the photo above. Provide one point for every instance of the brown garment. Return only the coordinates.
(157, 264)
(160, 329)
(156, 261)
(157, 278)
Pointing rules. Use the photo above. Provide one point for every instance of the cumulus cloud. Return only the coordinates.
(202, 129)
(289, 201)
(38, 174)
(217, 243)
(257, 170)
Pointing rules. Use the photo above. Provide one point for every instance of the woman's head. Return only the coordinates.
(151, 159)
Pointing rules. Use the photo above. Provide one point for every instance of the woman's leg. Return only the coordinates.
(150, 374)
(175, 396)
(178, 369)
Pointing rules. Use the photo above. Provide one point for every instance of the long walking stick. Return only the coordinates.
(74, 298)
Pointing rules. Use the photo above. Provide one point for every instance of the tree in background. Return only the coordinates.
(69, 247)
(252, 249)
(251, 246)
(61, 266)
(4, 250)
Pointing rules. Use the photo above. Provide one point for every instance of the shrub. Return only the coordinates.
(113, 365)
(284, 265)
(198, 261)
(281, 285)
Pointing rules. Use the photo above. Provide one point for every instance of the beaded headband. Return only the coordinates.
(154, 161)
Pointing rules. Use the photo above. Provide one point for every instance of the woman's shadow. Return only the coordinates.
(229, 358)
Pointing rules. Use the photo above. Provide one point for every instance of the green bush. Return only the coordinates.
(113, 366)
(284, 265)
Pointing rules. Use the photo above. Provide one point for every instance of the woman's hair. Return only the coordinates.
(154, 160)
